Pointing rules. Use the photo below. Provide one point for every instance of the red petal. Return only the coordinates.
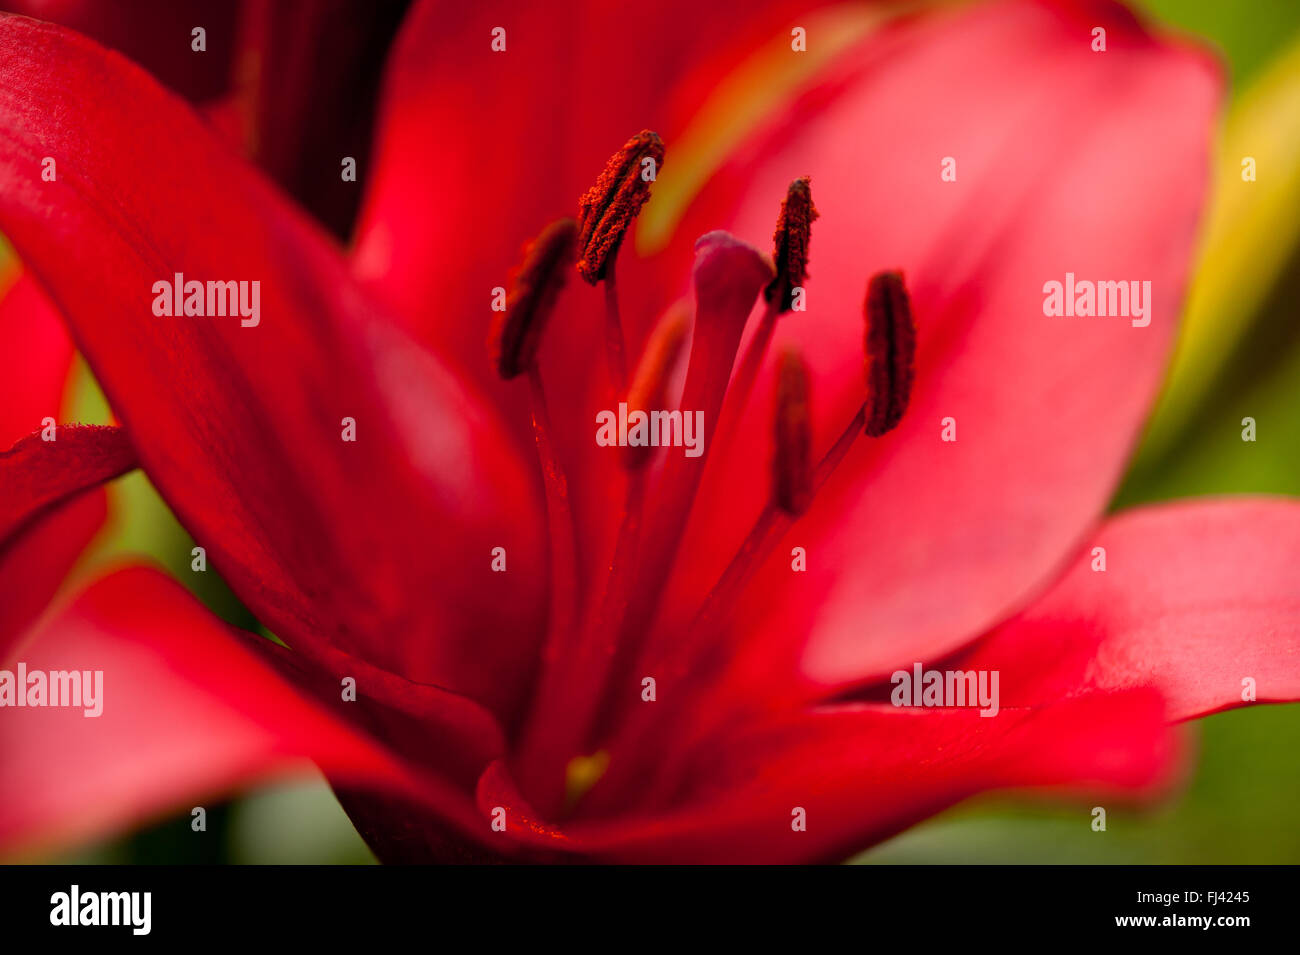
(36, 359)
(34, 562)
(33, 371)
(1196, 597)
(426, 725)
(863, 773)
(240, 428)
(189, 712)
(36, 474)
(918, 544)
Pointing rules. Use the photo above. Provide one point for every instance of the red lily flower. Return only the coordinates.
(487, 697)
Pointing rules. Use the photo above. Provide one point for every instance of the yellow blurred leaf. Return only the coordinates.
(1251, 233)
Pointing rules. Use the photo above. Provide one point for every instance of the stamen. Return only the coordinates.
(770, 527)
(536, 770)
(559, 515)
(515, 336)
(890, 344)
(654, 373)
(608, 207)
(649, 391)
(792, 435)
(615, 362)
(516, 333)
(888, 307)
(793, 229)
(729, 275)
(568, 719)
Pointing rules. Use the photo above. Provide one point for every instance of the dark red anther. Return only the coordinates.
(790, 252)
(517, 332)
(890, 344)
(608, 207)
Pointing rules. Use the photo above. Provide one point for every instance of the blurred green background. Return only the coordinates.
(1239, 356)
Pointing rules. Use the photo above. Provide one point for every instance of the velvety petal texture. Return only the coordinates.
(861, 773)
(36, 358)
(35, 560)
(1199, 600)
(37, 473)
(186, 711)
(246, 435)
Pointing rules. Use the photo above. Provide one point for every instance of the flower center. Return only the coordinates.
(595, 655)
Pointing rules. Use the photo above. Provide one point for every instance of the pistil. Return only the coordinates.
(727, 279)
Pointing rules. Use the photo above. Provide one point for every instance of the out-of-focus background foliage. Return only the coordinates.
(1239, 357)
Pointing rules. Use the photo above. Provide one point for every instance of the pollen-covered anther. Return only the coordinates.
(790, 242)
(517, 332)
(792, 465)
(609, 206)
(890, 345)
(649, 390)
